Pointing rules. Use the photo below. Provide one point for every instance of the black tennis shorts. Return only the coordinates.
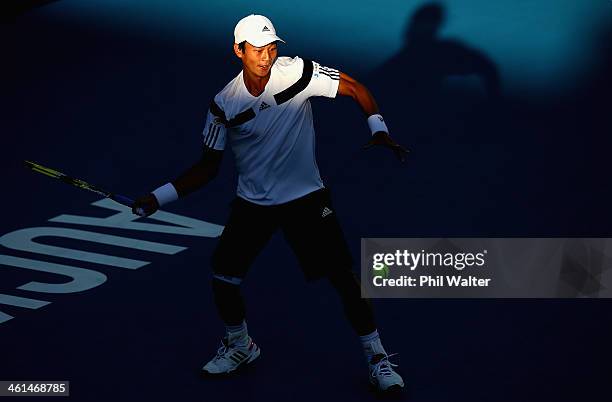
(308, 223)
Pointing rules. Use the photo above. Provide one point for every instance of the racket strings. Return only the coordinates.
(66, 179)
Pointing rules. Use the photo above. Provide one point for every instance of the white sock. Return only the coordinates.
(372, 345)
(237, 334)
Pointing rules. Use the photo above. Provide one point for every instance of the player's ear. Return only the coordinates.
(237, 50)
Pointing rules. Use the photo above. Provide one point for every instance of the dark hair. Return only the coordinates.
(242, 45)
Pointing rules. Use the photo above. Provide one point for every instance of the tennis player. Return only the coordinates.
(265, 115)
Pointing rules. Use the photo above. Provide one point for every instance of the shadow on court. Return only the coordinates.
(485, 160)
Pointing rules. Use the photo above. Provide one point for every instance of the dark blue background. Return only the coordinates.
(124, 111)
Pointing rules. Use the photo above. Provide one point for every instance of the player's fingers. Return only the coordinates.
(142, 208)
(137, 209)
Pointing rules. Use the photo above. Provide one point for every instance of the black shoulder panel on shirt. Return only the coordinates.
(298, 86)
(241, 118)
(217, 111)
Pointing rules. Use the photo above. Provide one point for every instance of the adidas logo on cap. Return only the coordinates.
(265, 29)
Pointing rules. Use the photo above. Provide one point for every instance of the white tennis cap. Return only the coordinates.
(255, 29)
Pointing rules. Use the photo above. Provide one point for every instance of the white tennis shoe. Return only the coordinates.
(382, 375)
(231, 357)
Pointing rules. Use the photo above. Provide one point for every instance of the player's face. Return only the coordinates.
(258, 60)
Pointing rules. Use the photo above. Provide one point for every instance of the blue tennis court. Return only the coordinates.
(505, 142)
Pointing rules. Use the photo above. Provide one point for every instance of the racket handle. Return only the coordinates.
(121, 199)
(128, 202)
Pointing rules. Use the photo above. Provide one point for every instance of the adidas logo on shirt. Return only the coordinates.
(263, 106)
(265, 29)
(326, 211)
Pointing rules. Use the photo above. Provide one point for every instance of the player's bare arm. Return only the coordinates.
(349, 86)
(197, 176)
(200, 173)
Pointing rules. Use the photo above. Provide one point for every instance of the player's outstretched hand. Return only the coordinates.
(145, 206)
(382, 138)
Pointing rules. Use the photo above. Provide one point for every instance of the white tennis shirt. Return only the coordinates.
(272, 135)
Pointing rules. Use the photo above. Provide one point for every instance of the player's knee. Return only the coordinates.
(226, 280)
(225, 288)
(226, 268)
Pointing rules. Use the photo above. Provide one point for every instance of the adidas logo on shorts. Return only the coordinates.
(326, 211)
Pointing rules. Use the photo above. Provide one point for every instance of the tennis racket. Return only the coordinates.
(121, 199)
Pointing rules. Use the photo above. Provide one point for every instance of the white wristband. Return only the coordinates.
(165, 194)
(377, 123)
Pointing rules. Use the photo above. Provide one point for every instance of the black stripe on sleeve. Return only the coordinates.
(216, 137)
(329, 70)
(207, 136)
(298, 86)
(333, 77)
